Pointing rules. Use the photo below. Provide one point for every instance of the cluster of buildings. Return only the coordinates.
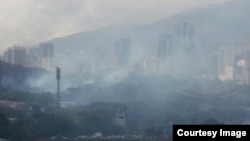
(173, 47)
(122, 54)
(234, 64)
(95, 61)
(168, 45)
(123, 50)
(181, 40)
(38, 57)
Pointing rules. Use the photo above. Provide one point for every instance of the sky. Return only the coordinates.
(29, 22)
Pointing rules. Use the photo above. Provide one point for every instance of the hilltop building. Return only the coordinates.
(32, 58)
(15, 55)
(184, 35)
(165, 46)
(36, 57)
(46, 55)
(234, 64)
(122, 50)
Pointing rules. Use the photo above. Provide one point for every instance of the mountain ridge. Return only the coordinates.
(215, 26)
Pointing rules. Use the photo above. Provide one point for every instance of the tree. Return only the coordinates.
(4, 126)
(21, 130)
(98, 117)
(51, 125)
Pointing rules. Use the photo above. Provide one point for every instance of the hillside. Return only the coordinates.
(214, 26)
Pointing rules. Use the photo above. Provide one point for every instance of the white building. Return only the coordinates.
(120, 117)
(234, 64)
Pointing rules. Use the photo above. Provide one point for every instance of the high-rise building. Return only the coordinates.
(226, 63)
(46, 54)
(33, 57)
(241, 66)
(165, 46)
(184, 34)
(46, 50)
(122, 50)
(234, 64)
(41, 57)
(151, 65)
(16, 55)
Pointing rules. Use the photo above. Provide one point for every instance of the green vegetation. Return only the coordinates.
(152, 106)
(73, 121)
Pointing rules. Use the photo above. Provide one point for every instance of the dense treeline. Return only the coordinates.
(70, 122)
(144, 117)
(152, 105)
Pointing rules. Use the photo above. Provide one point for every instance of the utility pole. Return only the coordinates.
(58, 77)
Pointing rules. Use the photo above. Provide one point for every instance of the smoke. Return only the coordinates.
(29, 22)
(7, 81)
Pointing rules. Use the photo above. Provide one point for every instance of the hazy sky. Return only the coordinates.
(28, 22)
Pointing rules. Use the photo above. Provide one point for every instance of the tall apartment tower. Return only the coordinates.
(46, 55)
(33, 55)
(241, 66)
(184, 34)
(165, 46)
(234, 64)
(122, 50)
(226, 63)
(16, 55)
